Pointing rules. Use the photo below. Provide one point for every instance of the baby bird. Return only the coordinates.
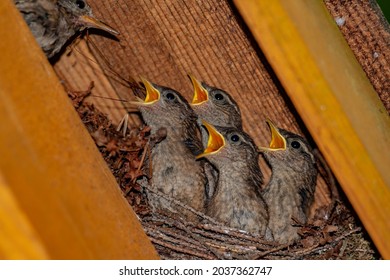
(290, 191)
(237, 201)
(53, 22)
(215, 105)
(175, 171)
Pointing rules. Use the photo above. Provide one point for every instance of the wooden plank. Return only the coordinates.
(54, 173)
(334, 98)
(18, 240)
(79, 68)
(367, 33)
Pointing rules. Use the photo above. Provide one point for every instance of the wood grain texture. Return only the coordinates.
(166, 40)
(56, 178)
(334, 98)
(367, 32)
(79, 69)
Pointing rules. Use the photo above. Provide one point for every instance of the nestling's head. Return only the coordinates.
(288, 150)
(215, 105)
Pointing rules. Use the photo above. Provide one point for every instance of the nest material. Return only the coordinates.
(333, 233)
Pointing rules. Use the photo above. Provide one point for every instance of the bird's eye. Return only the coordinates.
(218, 96)
(295, 144)
(235, 138)
(80, 4)
(170, 96)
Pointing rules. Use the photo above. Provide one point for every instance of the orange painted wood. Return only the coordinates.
(63, 201)
(18, 240)
(335, 100)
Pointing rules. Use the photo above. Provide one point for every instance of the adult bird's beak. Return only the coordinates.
(278, 142)
(215, 142)
(91, 22)
(152, 94)
(201, 95)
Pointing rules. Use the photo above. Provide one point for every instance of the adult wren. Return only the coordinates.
(54, 22)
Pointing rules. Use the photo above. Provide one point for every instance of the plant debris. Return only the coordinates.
(333, 233)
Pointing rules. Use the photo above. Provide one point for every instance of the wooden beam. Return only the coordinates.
(18, 240)
(334, 98)
(62, 199)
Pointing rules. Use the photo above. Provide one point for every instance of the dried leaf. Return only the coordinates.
(308, 241)
(330, 228)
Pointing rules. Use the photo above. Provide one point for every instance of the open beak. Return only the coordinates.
(278, 142)
(152, 94)
(91, 22)
(215, 142)
(201, 95)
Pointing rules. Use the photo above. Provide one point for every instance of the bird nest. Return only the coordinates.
(333, 233)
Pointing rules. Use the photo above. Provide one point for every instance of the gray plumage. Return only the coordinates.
(216, 107)
(54, 22)
(175, 171)
(290, 191)
(237, 200)
(221, 109)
